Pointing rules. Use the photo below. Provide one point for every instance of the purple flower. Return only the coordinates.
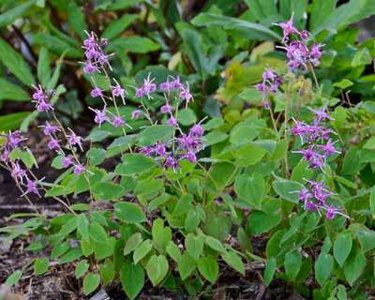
(261, 87)
(165, 86)
(190, 156)
(166, 109)
(53, 144)
(67, 161)
(328, 148)
(148, 151)
(96, 92)
(266, 104)
(147, 88)
(171, 163)
(136, 114)
(32, 187)
(304, 34)
(14, 139)
(90, 68)
(185, 94)
(196, 131)
(17, 172)
(49, 129)
(118, 91)
(139, 92)
(160, 149)
(74, 140)
(304, 195)
(331, 212)
(118, 121)
(176, 84)
(320, 115)
(41, 100)
(100, 116)
(269, 74)
(288, 29)
(172, 121)
(95, 57)
(4, 157)
(78, 169)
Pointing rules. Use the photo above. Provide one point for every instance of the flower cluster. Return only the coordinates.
(316, 137)
(186, 146)
(298, 53)
(270, 82)
(170, 85)
(41, 98)
(315, 199)
(23, 179)
(94, 54)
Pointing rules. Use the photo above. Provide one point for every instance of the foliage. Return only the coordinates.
(187, 197)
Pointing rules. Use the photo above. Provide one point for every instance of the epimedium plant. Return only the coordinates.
(189, 195)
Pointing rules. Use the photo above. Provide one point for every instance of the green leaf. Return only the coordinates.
(10, 91)
(11, 15)
(345, 14)
(98, 135)
(186, 117)
(370, 144)
(249, 155)
(372, 202)
(260, 221)
(362, 57)
(235, 261)
(132, 279)
(119, 145)
(107, 271)
(76, 18)
(15, 63)
(161, 235)
(209, 268)
(96, 156)
(214, 244)
(320, 9)
(134, 163)
(134, 44)
(13, 278)
(25, 156)
(247, 29)
(250, 189)
(107, 191)
(194, 245)
(118, 26)
(186, 265)
(173, 251)
(57, 45)
(132, 243)
(287, 189)
(142, 250)
(323, 268)
(292, 264)
(44, 67)
(355, 265)
(269, 271)
(41, 265)
(157, 133)
(214, 137)
(366, 238)
(97, 233)
(157, 268)
(129, 212)
(90, 283)
(342, 247)
(343, 84)
(81, 268)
